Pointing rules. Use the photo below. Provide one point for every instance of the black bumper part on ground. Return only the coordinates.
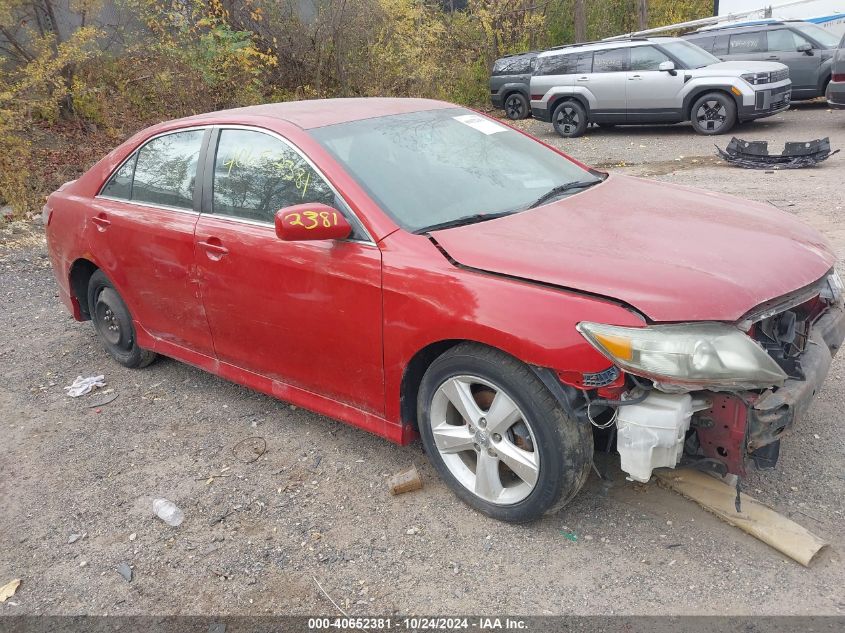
(755, 154)
(776, 411)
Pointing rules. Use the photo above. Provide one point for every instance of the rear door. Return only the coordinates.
(608, 82)
(143, 236)
(803, 69)
(652, 95)
(304, 313)
(747, 45)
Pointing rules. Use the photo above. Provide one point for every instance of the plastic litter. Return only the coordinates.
(82, 386)
(570, 536)
(168, 512)
(405, 481)
(8, 590)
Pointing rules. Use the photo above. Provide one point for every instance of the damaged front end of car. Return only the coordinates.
(715, 394)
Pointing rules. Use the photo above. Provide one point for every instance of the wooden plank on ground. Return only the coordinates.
(759, 520)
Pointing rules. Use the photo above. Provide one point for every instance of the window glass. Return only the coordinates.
(646, 58)
(434, 166)
(120, 185)
(824, 37)
(782, 40)
(720, 45)
(612, 61)
(704, 42)
(256, 174)
(564, 64)
(753, 42)
(166, 170)
(512, 65)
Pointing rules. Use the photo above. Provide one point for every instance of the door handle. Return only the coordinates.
(101, 221)
(214, 249)
(583, 79)
(634, 77)
(773, 57)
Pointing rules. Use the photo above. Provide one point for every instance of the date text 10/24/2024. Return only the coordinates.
(418, 623)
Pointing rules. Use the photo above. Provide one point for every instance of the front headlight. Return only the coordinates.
(698, 355)
(757, 78)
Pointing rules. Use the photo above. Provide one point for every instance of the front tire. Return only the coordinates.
(713, 113)
(570, 119)
(113, 323)
(498, 438)
(516, 106)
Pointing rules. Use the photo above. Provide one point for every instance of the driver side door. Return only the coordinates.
(306, 314)
(652, 94)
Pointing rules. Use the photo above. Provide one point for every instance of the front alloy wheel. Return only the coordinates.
(714, 113)
(484, 439)
(498, 437)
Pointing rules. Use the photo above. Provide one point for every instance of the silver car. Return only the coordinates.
(652, 80)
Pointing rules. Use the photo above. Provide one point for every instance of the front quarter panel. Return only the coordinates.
(428, 300)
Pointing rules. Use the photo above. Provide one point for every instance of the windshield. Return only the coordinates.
(823, 37)
(690, 55)
(439, 166)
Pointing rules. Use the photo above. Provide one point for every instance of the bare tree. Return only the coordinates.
(642, 13)
(580, 21)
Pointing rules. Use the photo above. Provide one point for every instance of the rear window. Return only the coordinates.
(743, 43)
(612, 61)
(564, 64)
(512, 65)
(162, 172)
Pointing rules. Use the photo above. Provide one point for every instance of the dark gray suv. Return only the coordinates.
(805, 48)
(509, 82)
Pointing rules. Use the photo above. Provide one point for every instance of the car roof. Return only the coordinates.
(607, 45)
(315, 113)
(747, 26)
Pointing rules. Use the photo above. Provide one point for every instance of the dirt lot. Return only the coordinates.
(315, 506)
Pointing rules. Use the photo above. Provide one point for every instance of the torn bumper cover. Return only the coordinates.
(775, 411)
(755, 154)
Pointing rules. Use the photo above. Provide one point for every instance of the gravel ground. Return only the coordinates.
(315, 506)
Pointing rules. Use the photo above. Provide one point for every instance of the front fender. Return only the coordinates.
(428, 299)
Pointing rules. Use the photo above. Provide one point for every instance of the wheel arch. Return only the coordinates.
(693, 95)
(78, 277)
(555, 101)
(569, 397)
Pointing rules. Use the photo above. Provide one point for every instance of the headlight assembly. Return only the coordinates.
(757, 78)
(698, 355)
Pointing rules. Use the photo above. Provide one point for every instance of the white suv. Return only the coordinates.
(652, 80)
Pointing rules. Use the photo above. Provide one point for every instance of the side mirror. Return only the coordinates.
(805, 48)
(313, 221)
(667, 67)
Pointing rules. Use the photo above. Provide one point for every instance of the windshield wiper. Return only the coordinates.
(556, 191)
(467, 219)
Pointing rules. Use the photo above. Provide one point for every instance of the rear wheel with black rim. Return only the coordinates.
(498, 438)
(516, 106)
(113, 323)
(570, 119)
(713, 113)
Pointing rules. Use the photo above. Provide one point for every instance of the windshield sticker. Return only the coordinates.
(485, 126)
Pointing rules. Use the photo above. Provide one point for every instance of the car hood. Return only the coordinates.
(674, 253)
(740, 67)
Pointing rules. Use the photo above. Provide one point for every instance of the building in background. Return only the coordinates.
(828, 14)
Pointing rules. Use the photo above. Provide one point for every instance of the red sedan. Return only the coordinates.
(412, 267)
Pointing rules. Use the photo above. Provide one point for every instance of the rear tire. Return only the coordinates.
(569, 119)
(113, 323)
(508, 449)
(516, 106)
(713, 113)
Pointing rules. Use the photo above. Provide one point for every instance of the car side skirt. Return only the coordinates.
(397, 433)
